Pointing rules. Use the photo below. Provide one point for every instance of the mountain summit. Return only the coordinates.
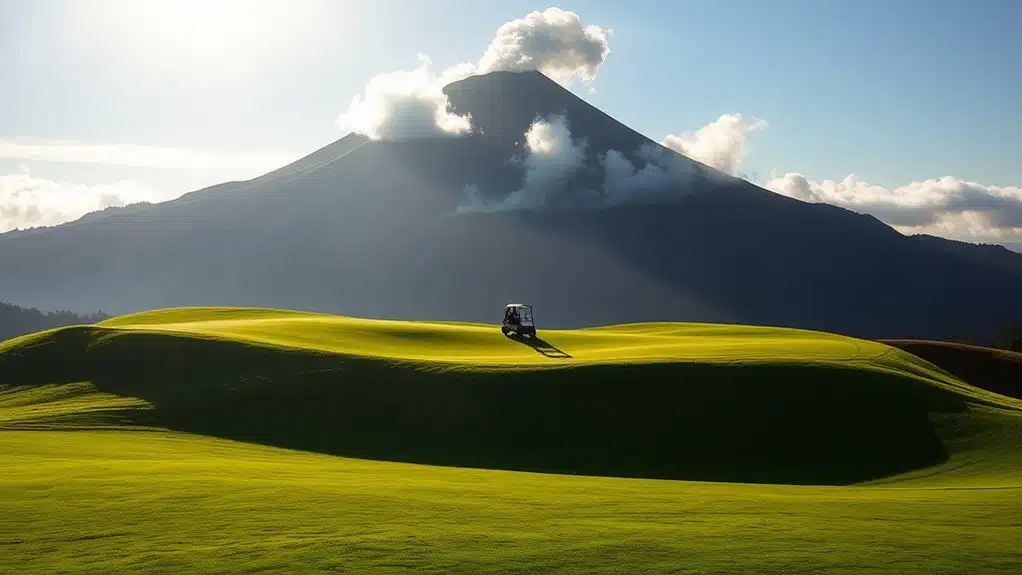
(550, 201)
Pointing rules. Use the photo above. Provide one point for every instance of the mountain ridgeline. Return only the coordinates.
(371, 229)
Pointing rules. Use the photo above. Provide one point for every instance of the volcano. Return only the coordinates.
(375, 229)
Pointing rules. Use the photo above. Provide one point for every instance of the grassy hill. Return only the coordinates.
(220, 440)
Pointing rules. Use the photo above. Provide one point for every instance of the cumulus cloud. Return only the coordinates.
(553, 42)
(27, 201)
(67, 151)
(720, 144)
(945, 206)
(404, 105)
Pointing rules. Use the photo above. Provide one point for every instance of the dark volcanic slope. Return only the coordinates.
(367, 228)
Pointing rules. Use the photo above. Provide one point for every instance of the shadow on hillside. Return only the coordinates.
(763, 424)
(996, 370)
(541, 346)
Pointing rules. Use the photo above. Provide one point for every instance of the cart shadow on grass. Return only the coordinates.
(518, 324)
(541, 346)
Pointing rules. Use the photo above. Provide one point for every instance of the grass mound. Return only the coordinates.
(995, 370)
(677, 401)
(117, 452)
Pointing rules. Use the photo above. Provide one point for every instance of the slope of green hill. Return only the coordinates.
(225, 440)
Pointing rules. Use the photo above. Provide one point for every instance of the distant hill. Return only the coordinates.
(15, 321)
(371, 229)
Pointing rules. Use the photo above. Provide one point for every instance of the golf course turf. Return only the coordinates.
(234, 440)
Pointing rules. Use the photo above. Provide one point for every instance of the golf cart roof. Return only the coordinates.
(518, 305)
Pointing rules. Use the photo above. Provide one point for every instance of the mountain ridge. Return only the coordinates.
(370, 229)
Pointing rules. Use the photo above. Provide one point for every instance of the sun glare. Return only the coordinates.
(200, 33)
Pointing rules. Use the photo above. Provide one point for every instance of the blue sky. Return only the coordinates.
(893, 92)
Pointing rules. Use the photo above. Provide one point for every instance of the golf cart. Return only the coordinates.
(518, 320)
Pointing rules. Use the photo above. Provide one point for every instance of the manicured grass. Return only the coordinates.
(104, 502)
(223, 440)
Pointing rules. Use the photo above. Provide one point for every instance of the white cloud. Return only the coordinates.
(551, 158)
(721, 144)
(402, 105)
(553, 42)
(65, 151)
(946, 206)
(27, 201)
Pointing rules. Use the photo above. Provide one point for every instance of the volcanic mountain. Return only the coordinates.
(373, 229)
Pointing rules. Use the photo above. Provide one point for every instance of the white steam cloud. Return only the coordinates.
(946, 206)
(720, 145)
(553, 42)
(404, 105)
(552, 157)
(27, 201)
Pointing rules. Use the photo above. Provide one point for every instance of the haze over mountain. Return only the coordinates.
(544, 199)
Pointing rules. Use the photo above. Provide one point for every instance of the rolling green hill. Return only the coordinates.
(221, 440)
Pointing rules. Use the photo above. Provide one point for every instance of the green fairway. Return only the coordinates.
(236, 440)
